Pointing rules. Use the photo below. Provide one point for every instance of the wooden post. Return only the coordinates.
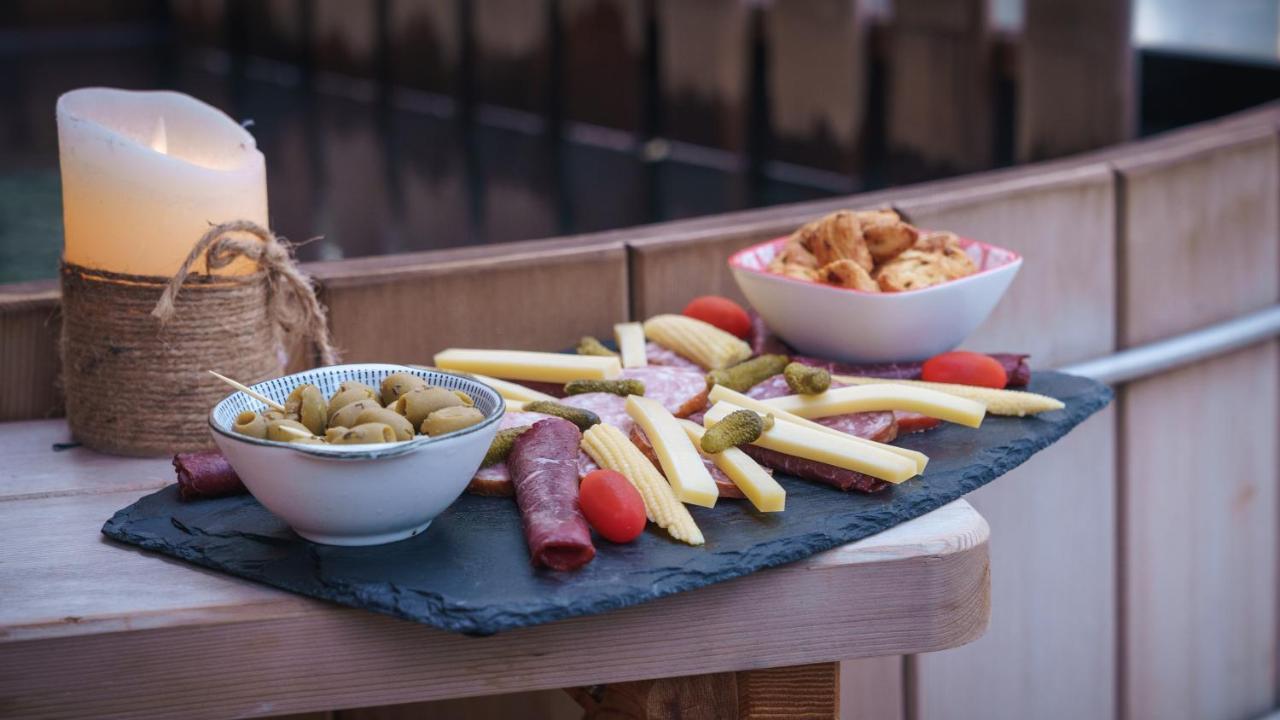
(817, 80)
(939, 89)
(1076, 84)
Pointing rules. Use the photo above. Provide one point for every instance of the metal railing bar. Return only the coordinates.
(1185, 349)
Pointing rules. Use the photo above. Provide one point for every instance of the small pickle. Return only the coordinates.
(397, 384)
(368, 433)
(617, 387)
(745, 375)
(591, 346)
(286, 430)
(582, 418)
(346, 415)
(807, 380)
(501, 446)
(308, 403)
(252, 424)
(402, 427)
(417, 404)
(446, 420)
(739, 427)
(348, 392)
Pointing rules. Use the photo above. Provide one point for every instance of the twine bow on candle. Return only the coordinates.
(292, 304)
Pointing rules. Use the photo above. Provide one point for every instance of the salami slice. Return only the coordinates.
(611, 409)
(544, 471)
(724, 485)
(658, 355)
(909, 422)
(680, 390)
(206, 474)
(878, 426)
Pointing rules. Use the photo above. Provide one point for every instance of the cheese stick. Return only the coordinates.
(998, 402)
(759, 486)
(720, 392)
(680, 460)
(630, 337)
(613, 450)
(508, 390)
(532, 366)
(880, 397)
(792, 439)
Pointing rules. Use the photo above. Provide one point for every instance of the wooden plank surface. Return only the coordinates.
(1199, 593)
(75, 608)
(29, 328)
(1076, 85)
(1050, 652)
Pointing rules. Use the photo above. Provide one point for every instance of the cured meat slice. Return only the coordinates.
(610, 408)
(810, 470)
(724, 485)
(1016, 366)
(909, 422)
(544, 471)
(495, 479)
(680, 390)
(206, 474)
(658, 355)
(878, 426)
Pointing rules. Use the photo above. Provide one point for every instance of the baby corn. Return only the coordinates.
(705, 344)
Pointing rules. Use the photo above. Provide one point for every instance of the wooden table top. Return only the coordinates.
(91, 627)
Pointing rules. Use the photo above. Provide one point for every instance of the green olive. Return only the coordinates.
(417, 404)
(307, 402)
(402, 427)
(334, 433)
(252, 424)
(347, 414)
(272, 414)
(367, 433)
(300, 440)
(465, 398)
(446, 420)
(276, 430)
(397, 384)
(349, 392)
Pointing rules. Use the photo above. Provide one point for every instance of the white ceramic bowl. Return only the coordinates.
(357, 494)
(855, 326)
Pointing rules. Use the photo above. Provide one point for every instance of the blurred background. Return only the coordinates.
(401, 125)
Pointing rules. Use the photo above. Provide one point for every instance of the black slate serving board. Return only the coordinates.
(470, 572)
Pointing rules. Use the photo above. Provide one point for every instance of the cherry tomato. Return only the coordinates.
(612, 505)
(965, 368)
(722, 312)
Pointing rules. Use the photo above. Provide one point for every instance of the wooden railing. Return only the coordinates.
(1133, 564)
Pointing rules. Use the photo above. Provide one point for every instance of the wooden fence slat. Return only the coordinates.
(704, 70)
(29, 328)
(1200, 529)
(817, 79)
(1076, 89)
(513, 53)
(604, 62)
(939, 105)
(1050, 650)
(425, 45)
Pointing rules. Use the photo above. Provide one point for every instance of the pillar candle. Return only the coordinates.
(145, 174)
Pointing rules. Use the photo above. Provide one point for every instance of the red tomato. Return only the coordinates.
(612, 505)
(965, 368)
(721, 312)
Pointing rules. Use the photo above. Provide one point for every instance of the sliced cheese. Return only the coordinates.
(532, 366)
(518, 405)
(792, 439)
(758, 485)
(998, 402)
(513, 391)
(873, 398)
(720, 392)
(679, 459)
(630, 337)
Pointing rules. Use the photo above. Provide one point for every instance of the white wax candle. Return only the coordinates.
(144, 174)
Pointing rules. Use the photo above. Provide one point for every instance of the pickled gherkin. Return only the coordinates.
(582, 418)
(739, 427)
(501, 446)
(807, 380)
(616, 387)
(745, 375)
(591, 346)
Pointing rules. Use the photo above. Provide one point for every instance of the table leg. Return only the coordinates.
(800, 691)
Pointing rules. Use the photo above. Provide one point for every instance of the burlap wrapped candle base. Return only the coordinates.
(135, 349)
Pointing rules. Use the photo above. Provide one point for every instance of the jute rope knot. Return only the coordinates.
(292, 304)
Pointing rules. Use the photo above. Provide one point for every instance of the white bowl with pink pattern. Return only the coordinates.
(863, 327)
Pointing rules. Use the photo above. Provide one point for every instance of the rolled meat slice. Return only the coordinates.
(206, 474)
(544, 472)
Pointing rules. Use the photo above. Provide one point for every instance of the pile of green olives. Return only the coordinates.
(401, 408)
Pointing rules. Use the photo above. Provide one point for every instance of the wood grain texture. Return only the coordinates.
(817, 80)
(522, 296)
(29, 329)
(872, 689)
(1199, 591)
(1076, 86)
(537, 705)
(800, 691)
(939, 101)
(704, 70)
